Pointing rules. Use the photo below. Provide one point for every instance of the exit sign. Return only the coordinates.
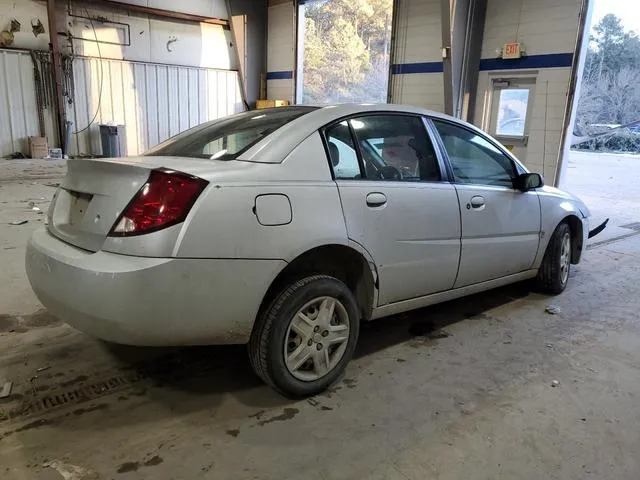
(511, 51)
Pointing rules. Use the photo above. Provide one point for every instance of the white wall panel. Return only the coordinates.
(418, 32)
(18, 106)
(152, 40)
(281, 50)
(544, 26)
(419, 89)
(205, 8)
(153, 101)
(418, 41)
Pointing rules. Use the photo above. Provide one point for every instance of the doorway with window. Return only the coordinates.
(511, 107)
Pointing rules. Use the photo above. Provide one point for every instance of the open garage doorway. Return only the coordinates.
(602, 165)
(343, 51)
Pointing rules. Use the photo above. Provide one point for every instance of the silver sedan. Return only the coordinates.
(286, 228)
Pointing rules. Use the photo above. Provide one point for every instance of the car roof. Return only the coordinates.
(275, 147)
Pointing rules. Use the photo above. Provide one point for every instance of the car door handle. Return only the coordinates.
(376, 199)
(476, 202)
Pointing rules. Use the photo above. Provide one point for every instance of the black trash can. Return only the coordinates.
(113, 140)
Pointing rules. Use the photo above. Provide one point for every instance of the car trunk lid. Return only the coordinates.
(90, 199)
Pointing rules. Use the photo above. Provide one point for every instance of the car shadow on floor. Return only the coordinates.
(429, 323)
(155, 381)
(206, 371)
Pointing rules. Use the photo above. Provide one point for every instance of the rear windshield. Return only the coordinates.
(228, 138)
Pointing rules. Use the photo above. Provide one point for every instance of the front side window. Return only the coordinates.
(228, 138)
(395, 148)
(475, 159)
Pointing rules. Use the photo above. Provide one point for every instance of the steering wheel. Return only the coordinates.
(389, 173)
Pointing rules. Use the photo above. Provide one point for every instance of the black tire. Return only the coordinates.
(553, 274)
(271, 331)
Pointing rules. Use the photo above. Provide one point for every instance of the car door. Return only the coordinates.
(396, 202)
(500, 225)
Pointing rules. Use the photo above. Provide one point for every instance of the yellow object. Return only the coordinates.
(271, 103)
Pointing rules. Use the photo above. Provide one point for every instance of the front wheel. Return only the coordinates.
(553, 274)
(303, 341)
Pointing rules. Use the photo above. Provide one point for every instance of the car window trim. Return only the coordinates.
(444, 174)
(516, 165)
(441, 152)
(325, 143)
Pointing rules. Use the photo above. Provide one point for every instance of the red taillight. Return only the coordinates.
(164, 200)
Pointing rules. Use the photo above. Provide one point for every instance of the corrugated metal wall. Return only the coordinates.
(18, 107)
(153, 101)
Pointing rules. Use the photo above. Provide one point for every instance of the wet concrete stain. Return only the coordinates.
(234, 433)
(128, 467)
(330, 392)
(350, 382)
(287, 414)
(31, 425)
(258, 415)
(153, 461)
(41, 318)
(93, 408)
(22, 323)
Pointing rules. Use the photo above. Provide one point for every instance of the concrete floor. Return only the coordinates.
(457, 391)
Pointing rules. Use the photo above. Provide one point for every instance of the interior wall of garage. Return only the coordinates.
(417, 68)
(548, 30)
(157, 76)
(281, 50)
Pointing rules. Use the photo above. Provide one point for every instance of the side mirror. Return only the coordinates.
(528, 181)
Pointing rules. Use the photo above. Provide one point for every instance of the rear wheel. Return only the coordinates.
(303, 341)
(553, 274)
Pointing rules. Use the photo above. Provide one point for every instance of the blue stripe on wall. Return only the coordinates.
(553, 60)
(425, 67)
(285, 75)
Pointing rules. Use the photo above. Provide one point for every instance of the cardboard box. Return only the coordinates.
(271, 103)
(38, 147)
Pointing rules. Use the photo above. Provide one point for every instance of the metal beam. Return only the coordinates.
(57, 70)
(471, 60)
(157, 12)
(577, 67)
(447, 66)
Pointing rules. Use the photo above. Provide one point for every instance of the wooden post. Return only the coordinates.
(57, 70)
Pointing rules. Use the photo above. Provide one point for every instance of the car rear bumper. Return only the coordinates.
(148, 301)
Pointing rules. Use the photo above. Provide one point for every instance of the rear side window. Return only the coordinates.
(228, 138)
(395, 148)
(342, 152)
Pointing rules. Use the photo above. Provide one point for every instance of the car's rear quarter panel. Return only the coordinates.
(225, 225)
